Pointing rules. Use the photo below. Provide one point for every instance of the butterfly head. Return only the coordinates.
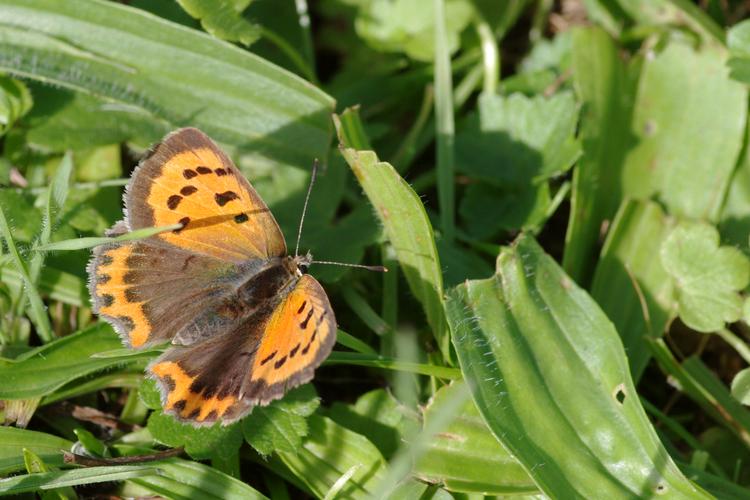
(302, 262)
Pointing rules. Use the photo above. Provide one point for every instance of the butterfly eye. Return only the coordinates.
(303, 268)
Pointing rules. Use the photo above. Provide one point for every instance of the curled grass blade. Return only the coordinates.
(38, 311)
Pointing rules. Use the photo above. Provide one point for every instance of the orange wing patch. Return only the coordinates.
(298, 336)
(188, 180)
(110, 289)
(183, 401)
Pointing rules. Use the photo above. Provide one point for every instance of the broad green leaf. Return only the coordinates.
(65, 120)
(686, 151)
(486, 209)
(408, 26)
(406, 224)
(187, 480)
(516, 141)
(328, 452)
(466, 457)
(706, 276)
(45, 369)
(535, 350)
(199, 442)
(281, 425)
(13, 441)
(741, 386)
(223, 19)
(75, 477)
(177, 75)
(601, 81)
(15, 102)
(630, 285)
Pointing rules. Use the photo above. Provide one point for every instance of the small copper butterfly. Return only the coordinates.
(244, 320)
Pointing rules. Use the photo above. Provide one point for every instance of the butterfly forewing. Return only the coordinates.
(187, 180)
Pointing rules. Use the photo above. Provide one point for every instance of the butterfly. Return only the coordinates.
(245, 321)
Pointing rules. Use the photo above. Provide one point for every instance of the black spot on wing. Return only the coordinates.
(188, 173)
(220, 172)
(302, 307)
(173, 201)
(203, 170)
(107, 300)
(225, 197)
(240, 218)
(267, 359)
(293, 352)
(184, 221)
(188, 190)
(278, 364)
(303, 325)
(180, 405)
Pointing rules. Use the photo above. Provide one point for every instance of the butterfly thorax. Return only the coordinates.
(264, 286)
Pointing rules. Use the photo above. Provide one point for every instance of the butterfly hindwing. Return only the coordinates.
(267, 353)
(149, 290)
(297, 337)
(188, 180)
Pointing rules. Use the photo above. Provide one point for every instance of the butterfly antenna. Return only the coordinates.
(304, 208)
(380, 269)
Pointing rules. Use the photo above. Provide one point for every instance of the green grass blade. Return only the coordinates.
(91, 242)
(444, 127)
(536, 350)
(58, 479)
(406, 224)
(352, 342)
(697, 382)
(38, 311)
(601, 82)
(57, 192)
(177, 75)
(352, 358)
(186, 480)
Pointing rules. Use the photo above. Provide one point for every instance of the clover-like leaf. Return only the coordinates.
(199, 442)
(281, 425)
(223, 19)
(707, 276)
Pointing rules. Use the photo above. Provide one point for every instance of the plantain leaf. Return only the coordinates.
(536, 350)
(179, 76)
(466, 457)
